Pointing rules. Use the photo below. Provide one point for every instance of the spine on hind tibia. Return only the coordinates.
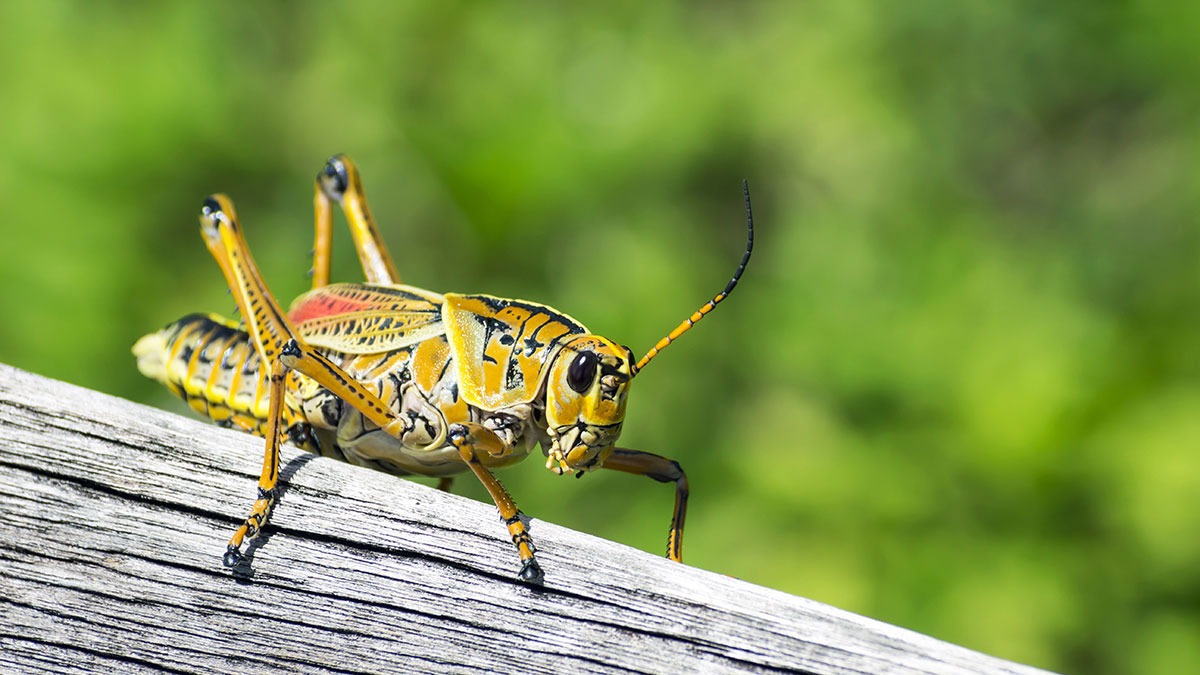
(208, 362)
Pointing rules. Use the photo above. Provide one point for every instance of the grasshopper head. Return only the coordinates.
(585, 402)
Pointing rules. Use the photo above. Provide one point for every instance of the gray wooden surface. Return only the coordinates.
(114, 516)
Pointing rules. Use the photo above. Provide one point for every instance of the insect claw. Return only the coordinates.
(233, 557)
(531, 572)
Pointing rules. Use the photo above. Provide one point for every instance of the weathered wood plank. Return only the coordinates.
(113, 519)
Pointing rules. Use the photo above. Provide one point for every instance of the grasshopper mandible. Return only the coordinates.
(402, 379)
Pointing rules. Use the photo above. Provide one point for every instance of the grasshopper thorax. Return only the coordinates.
(585, 402)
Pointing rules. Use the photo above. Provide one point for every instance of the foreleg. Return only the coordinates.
(662, 470)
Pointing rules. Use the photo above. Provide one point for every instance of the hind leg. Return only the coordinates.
(280, 349)
(339, 181)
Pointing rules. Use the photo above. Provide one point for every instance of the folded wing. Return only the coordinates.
(357, 318)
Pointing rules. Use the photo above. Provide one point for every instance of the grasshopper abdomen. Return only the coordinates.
(213, 366)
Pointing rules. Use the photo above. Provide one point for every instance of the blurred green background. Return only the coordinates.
(959, 387)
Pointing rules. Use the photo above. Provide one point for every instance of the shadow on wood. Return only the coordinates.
(114, 517)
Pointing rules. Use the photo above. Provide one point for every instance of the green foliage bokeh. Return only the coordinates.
(959, 387)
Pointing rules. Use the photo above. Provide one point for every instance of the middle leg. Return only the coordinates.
(474, 442)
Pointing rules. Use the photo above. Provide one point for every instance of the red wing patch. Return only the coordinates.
(367, 318)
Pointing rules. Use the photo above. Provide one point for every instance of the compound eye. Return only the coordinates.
(582, 371)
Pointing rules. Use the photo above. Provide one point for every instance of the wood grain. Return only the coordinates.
(114, 516)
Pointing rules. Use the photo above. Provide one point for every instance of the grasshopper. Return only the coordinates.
(401, 379)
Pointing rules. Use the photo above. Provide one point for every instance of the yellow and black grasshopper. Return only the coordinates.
(402, 379)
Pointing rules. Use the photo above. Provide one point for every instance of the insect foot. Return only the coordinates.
(233, 557)
(531, 572)
(251, 528)
(474, 442)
